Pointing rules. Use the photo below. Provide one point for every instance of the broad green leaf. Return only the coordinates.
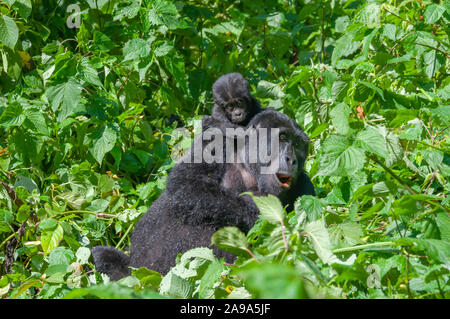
(339, 117)
(176, 67)
(270, 280)
(48, 224)
(50, 239)
(433, 13)
(370, 15)
(175, 286)
(389, 31)
(89, 73)
(342, 23)
(27, 285)
(373, 141)
(231, 239)
(83, 254)
(313, 206)
(61, 256)
(346, 234)
(13, 115)
(67, 94)
(103, 141)
(24, 8)
(199, 252)
(443, 222)
(74, 200)
(147, 277)
(35, 120)
(23, 213)
(270, 208)
(135, 49)
(320, 239)
(209, 279)
(129, 11)
(437, 250)
(344, 47)
(102, 41)
(9, 33)
(165, 13)
(340, 157)
(267, 89)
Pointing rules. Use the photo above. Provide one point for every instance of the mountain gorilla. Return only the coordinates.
(198, 201)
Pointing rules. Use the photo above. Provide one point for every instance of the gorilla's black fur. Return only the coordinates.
(233, 104)
(111, 261)
(199, 199)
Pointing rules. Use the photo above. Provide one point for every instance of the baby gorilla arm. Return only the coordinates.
(111, 261)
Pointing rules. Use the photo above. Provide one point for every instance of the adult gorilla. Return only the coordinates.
(198, 201)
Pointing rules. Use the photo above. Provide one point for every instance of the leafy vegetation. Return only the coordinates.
(86, 121)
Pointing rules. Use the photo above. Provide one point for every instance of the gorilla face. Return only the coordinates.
(292, 152)
(237, 111)
(233, 100)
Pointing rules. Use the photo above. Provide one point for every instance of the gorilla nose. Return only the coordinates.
(237, 113)
(291, 161)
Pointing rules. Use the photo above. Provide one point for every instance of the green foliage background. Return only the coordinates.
(86, 122)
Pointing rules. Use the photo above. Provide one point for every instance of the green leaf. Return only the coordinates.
(443, 223)
(268, 280)
(267, 89)
(270, 208)
(50, 239)
(313, 206)
(433, 13)
(339, 117)
(102, 41)
(210, 279)
(83, 254)
(231, 239)
(61, 256)
(165, 13)
(74, 200)
(23, 213)
(346, 234)
(175, 65)
(35, 120)
(24, 8)
(103, 141)
(373, 141)
(48, 224)
(437, 250)
(344, 47)
(135, 49)
(342, 23)
(68, 94)
(319, 237)
(12, 116)
(175, 286)
(339, 157)
(9, 33)
(370, 15)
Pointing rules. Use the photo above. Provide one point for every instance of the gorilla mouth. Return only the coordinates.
(284, 180)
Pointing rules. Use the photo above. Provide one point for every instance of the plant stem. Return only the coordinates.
(387, 169)
(124, 236)
(101, 215)
(358, 247)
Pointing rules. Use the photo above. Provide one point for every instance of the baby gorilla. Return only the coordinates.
(234, 105)
(197, 202)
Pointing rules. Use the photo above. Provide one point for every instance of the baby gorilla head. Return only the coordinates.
(233, 99)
